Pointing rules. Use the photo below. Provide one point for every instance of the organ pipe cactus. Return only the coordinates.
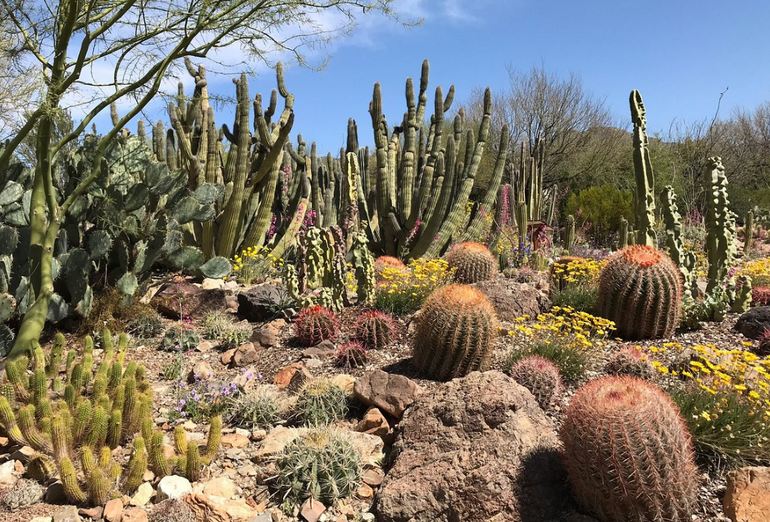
(454, 333)
(645, 179)
(628, 453)
(569, 232)
(640, 289)
(683, 259)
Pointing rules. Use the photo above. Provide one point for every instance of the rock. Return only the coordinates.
(754, 322)
(369, 447)
(391, 393)
(205, 346)
(227, 357)
(24, 493)
(475, 448)
(298, 379)
(205, 509)
(212, 284)
(283, 376)
(41, 519)
(364, 491)
(747, 498)
(202, 371)
(311, 510)
(142, 495)
(8, 476)
(113, 510)
(344, 381)
(374, 423)
(54, 494)
(220, 487)
(67, 514)
(134, 514)
(173, 487)
(277, 439)
(192, 300)
(94, 513)
(262, 517)
(373, 477)
(261, 303)
(270, 334)
(512, 299)
(172, 511)
(24, 454)
(234, 440)
(322, 350)
(245, 354)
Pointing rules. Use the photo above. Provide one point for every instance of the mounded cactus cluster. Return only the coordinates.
(630, 360)
(640, 289)
(374, 329)
(189, 458)
(315, 324)
(540, 376)
(628, 454)
(472, 262)
(454, 334)
(74, 412)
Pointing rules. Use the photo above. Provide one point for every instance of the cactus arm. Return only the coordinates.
(645, 180)
(485, 208)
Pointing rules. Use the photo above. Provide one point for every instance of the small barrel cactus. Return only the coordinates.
(763, 343)
(351, 355)
(321, 402)
(628, 453)
(540, 376)
(760, 295)
(640, 289)
(374, 329)
(383, 262)
(630, 360)
(315, 324)
(454, 333)
(472, 262)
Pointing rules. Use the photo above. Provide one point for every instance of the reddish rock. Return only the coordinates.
(189, 299)
(270, 334)
(283, 376)
(747, 498)
(134, 514)
(245, 354)
(374, 422)
(234, 440)
(373, 477)
(390, 393)
(113, 510)
(227, 357)
(312, 510)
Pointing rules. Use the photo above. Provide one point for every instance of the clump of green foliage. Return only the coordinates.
(599, 209)
(218, 326)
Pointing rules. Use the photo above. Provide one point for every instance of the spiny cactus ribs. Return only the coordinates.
(628, 454)
(640, 289)
(540, 376)
(383, 262)
(473, 262)
(316, 324)
(760, 295)
(351, 355)
(632, 361)
(374, 329)
(454, 334)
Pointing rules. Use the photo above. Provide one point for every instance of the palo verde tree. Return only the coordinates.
(138, 44)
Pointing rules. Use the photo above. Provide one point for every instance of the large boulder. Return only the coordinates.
(391, 393)
(747, 498)
(476, 448)
(188, 299)
(262, 302)
(512, 299)
(754, 322)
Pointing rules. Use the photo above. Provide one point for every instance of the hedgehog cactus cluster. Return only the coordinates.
(628, 453)
(540, 376)
(189, 458)
(454, 333)
(472, 262)
(640, 289)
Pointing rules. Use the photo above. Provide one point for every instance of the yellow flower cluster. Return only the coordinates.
(719, 371)
(255, 263)
(579, 270)
(565, 324)
(758, 270)
(402, 290)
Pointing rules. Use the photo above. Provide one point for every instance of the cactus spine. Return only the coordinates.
(645, 180)
(628, 454)
(640, 289)
(454, 334)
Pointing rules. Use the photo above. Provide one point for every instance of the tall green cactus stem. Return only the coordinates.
(645, 180)
(69, 480)
(640, 289)
(721, 247)
(628, 452)
(522, 223)
(363, 264)
(748, 232)
(190, 461)
(674, 246)
(454, 334)
(569, 233)
(743, 298)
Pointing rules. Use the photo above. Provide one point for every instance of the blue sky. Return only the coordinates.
(679, 54)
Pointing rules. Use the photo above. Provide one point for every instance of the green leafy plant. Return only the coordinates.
(579, 297)
(173, 370)
(600, 209)
(180, 339)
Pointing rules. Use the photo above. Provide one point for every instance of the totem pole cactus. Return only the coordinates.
(645, 180)
(683, 259)
(623, 233)
(363, 264)
(721, 240)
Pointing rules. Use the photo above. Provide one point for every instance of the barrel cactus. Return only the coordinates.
(473, 262)
(630, 361)
(374, 329)
(315, 324)
(384, 262)
(351, 355)
(640, 289)
(454, 333)
(627, 452)
(540, 376)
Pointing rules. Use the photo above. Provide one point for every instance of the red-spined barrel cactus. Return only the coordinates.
(630, 360)
(454, 334)
(640, 289)
(628, 454)
(472, 262)
(760, 295)
(351, 355)
(315, 324)
(763, 343)
(540, 376)
(374, 329)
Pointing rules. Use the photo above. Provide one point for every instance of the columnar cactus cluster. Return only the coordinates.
(454, 333)
(685, 260)
(645, 179)
(721, 241)
(640, 289)
(472, 262)
(628, 453)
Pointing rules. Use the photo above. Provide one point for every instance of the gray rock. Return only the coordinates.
(173, 487)
(262, 303)
(754, 322)
(67, 514)
(25, 493)
(391, 393)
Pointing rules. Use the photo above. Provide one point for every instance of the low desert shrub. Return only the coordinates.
(180, 339)
(577, 296)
